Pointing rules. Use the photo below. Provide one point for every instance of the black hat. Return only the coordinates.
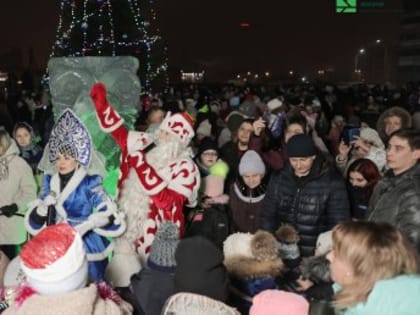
(300, 145)
(207, 144)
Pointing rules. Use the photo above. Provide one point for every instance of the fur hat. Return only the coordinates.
(257, 258)
(180, 125)
(162, 252)
(277, 302)
(54, 261)
(274, 104)
(300, 145)
(288, 238)
(251, 163)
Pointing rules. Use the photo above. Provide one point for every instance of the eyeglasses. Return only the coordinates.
(210, 154)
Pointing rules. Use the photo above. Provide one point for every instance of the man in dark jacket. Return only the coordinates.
(396, 198)
(308, 194)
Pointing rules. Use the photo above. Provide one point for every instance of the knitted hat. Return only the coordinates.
(274, 104)
(300, 145)
(207, 144)
(251, 163)
(162, 252)
(204, 128)
(277, 302)
(54, 261)
(371, 135)
(215, 182)
(200, 268)
(180, 125)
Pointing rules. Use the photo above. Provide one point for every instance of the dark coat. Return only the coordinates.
(151, 288)
(312, 205)
(396, 200)
(245, 206)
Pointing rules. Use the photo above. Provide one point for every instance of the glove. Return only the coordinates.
(42, 210)
(98, 219)
(49, 201)
(9, 210)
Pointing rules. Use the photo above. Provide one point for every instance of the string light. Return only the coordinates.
(88, 28)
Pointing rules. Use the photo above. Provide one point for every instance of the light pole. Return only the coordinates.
(356, 58)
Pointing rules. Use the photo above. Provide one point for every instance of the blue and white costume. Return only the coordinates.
(78, 198)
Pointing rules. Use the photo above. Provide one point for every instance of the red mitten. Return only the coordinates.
(108, 117)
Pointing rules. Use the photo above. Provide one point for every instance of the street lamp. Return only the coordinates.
(356, 58)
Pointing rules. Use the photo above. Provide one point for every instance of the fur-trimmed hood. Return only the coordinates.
(250, 268)
(393, 111)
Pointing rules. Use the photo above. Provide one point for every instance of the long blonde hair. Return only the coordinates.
(5, 140)
(375, 251)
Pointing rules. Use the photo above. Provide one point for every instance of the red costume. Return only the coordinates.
(148, 195)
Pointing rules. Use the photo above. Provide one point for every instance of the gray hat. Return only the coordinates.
(162, 253)
(251, 163)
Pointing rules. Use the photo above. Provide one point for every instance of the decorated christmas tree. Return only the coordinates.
(114, 28)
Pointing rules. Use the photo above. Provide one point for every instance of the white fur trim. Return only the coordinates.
(101, 255)
(246, 199)
(75, 281)
(63, 267)
(32, 206)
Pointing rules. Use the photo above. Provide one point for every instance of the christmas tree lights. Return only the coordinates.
(114, 28)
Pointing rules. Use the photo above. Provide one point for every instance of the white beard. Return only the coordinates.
(166, 152)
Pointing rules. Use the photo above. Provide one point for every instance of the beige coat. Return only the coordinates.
(18, 187)
(85, 301)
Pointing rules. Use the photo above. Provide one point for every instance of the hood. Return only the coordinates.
(12, 150)
(393, 111)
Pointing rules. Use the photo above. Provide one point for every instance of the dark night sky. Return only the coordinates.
(300, 35)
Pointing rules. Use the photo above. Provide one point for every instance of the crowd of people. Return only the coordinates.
(294, 199)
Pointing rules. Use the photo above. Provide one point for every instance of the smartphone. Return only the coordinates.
(350, 134)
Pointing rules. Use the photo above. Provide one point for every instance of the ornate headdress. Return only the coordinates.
(70, 137)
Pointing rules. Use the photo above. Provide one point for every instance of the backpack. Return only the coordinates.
(211, 223)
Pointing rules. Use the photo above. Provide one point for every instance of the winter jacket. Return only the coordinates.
(86, 301)
(313, 204)
(399, 295)
(19, 187)
(245, 206)
(396, 200)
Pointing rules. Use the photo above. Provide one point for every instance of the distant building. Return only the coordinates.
(409, 46)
